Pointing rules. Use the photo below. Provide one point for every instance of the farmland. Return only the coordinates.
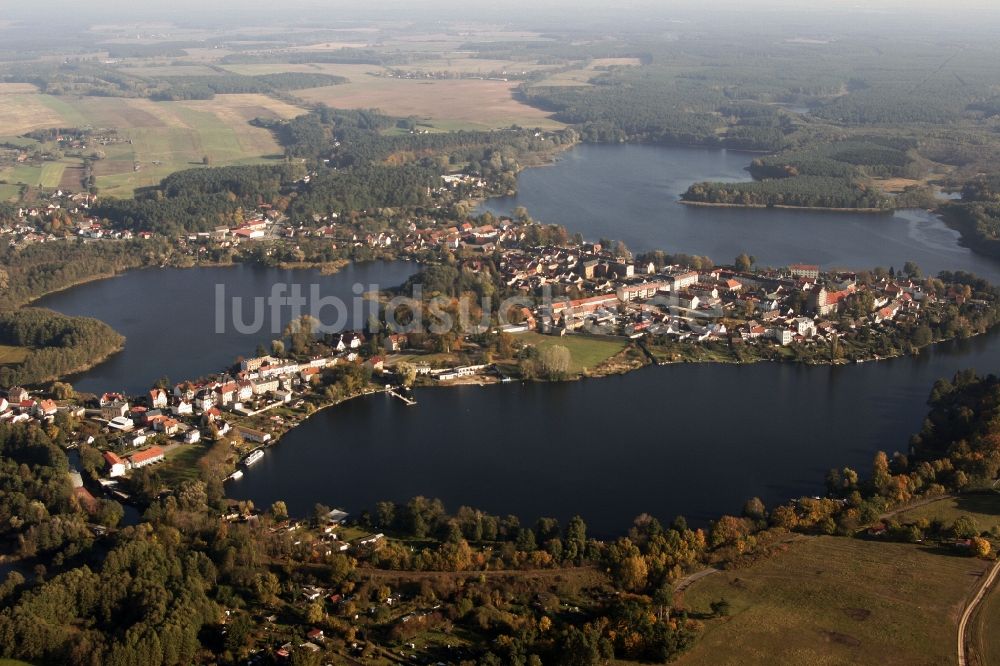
(834, 600)
(451, 104)
(12, 355)
(162, 137)
(22, 110)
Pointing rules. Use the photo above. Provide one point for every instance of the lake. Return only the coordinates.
(692, 439)
(696, 440)
(168, 316)
(630, 193)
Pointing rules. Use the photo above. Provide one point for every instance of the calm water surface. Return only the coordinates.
(688, 439)
(630, 193)
(696, 440)
(168, 316)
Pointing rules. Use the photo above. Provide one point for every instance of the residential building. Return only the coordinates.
(150, 456)
(116, 466)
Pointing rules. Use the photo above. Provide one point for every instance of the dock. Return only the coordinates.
(410, 402)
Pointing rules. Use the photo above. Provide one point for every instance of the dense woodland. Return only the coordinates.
(58, 345)
(207, 87)
(807, 191)
(26, 274)
(93, 79)
(156, 593)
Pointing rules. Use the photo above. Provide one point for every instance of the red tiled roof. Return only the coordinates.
(148, 454)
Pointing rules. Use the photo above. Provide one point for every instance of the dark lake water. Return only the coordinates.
(696, 440)
(630, 193)
(168, 316)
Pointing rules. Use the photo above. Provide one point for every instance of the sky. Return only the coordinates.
(550, 14)
(126, 8)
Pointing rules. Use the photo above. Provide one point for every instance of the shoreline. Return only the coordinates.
(822, 209)
(80, 369)
(601, 371)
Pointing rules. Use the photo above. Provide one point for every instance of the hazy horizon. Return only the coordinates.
(235, 12)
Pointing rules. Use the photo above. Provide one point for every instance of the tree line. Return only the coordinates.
(57, 344)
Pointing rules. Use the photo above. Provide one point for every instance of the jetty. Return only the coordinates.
(410, 402)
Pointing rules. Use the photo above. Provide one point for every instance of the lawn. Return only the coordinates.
(181, 463)
(835, 600)
(446, 104)
(984, 508)
(587, 352)
(12, 355)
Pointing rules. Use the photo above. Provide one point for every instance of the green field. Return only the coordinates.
(587, 353)
(181, 463)
(160, 137)
(984, 640)
(984, 508)
(47, 174)
(12, 355)
(8, 191)
(835, 600)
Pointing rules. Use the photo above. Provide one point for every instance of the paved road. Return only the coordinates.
(980, 594)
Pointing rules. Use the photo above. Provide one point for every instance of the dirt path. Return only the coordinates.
(914, 505)
(980, 595)
(687, 581)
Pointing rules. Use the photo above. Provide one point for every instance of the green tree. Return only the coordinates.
(965, 527)
(555, 361)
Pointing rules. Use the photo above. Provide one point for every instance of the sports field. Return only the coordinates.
(835, 600)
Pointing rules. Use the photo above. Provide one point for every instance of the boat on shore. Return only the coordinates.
(253, 457)
(235, 476)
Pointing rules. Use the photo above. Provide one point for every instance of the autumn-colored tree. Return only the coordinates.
(981, 547)
(633, 573)
(881, 476)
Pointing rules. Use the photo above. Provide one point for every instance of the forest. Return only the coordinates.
(58, 345)
(653, 105)
(863, 156)
(804, 191)
(90, 78)
(156, 592)
(207, 87)
(33, 271)
(834, 174)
